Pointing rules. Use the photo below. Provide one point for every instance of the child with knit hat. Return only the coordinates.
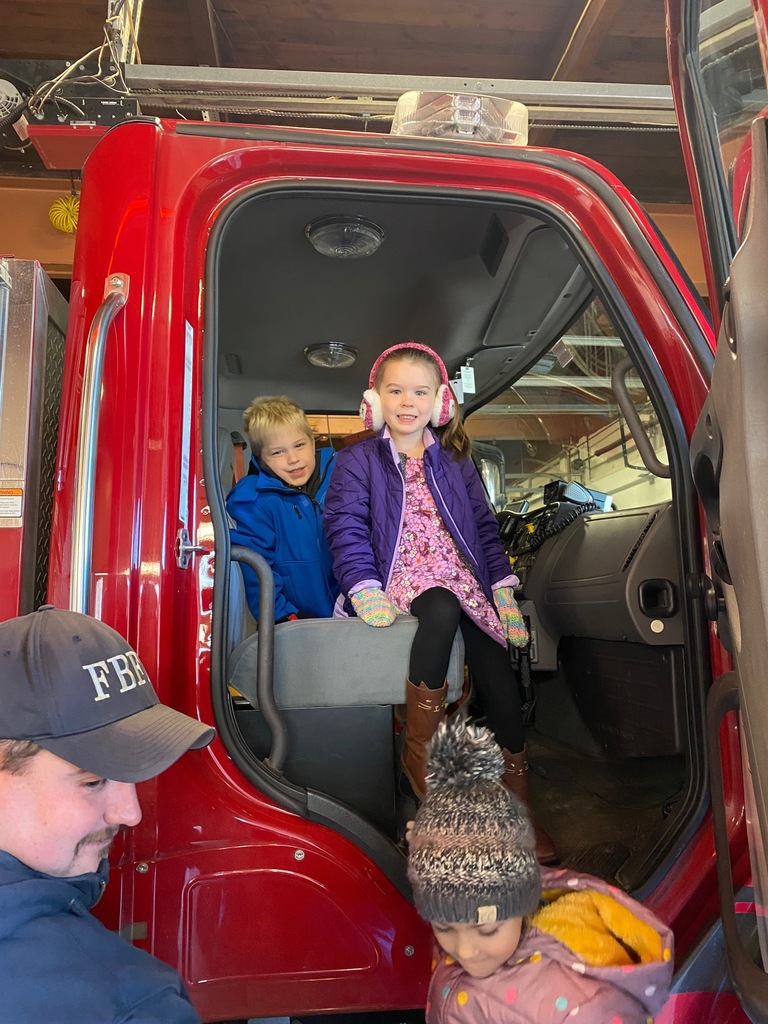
(520, 944)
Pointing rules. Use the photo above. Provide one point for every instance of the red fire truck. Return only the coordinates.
(215, 262)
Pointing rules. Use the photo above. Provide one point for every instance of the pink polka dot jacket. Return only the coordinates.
(589, 955)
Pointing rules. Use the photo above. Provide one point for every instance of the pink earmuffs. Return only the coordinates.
(445, 404)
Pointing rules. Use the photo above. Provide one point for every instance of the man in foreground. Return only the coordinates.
(80, 725)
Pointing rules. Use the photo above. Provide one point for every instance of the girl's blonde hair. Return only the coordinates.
(452, 436)
(265, 415)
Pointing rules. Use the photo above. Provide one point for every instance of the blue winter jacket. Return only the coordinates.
(365, 504)
(285, 526)
(59, 964)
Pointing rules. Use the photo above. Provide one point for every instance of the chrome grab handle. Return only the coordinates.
(619, 387)
(115, 297)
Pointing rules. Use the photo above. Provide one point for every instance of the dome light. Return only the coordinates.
(331, 355)
(345, 237)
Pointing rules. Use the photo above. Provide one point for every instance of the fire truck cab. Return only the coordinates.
(217, 262)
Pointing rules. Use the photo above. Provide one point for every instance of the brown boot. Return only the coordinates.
(515, 778)
(426, 709)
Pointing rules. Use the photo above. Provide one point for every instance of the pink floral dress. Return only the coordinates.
(427, 556)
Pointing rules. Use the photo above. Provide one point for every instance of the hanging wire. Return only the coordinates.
(132, 31)
(113, 79)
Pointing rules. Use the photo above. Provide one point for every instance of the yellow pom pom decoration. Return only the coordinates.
(63, 213)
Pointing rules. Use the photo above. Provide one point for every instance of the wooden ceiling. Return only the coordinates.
(605, 41)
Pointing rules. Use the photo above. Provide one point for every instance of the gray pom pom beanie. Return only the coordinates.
(472, 856)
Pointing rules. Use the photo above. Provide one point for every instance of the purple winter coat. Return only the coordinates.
(546, 982)
(365, 505)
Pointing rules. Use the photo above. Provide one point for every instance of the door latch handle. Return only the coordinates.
(184, 550)
(657, 598)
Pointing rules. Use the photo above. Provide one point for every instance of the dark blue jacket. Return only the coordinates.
(365, 505)
(285, 526)
(58, 963)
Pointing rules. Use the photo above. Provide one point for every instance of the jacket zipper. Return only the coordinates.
(445, 513)
(393, 559)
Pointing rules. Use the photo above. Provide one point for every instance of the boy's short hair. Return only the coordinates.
(263, 415)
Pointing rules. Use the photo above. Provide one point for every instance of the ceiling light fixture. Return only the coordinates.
(345, 237)
(331, 355)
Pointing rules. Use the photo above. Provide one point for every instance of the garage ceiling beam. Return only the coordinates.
(202, 22)
(585, 39)
(580, 46)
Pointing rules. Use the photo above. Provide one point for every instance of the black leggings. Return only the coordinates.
(439, 614)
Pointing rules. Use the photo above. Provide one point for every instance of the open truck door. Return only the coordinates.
(718, 67)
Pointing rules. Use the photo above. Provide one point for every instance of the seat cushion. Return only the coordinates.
(337, 663)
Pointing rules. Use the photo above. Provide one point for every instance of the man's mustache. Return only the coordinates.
(105, 837)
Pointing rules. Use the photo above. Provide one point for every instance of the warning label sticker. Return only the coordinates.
(10, 502)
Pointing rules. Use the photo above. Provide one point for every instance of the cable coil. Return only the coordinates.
(64, 212)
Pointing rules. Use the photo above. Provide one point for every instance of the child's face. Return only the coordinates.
(290, 454)
(407, 391)
(481, 949)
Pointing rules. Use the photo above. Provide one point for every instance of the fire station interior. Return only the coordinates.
(582, 458)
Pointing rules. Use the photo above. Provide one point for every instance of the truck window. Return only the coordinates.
(561, 421)
(731, 75)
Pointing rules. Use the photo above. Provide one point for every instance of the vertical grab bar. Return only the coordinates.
(619, 387)
(265, 684)
(115, 297)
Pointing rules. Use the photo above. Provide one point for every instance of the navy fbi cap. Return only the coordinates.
(75, 686)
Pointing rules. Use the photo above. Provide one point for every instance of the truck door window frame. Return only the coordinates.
(313, 805)
(712, 35)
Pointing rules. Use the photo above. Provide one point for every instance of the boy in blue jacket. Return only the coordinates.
(80, 725)
(278, 510)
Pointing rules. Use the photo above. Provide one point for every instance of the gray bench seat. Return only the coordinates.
(325, 663)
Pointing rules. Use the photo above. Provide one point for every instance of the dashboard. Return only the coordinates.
(590, 573)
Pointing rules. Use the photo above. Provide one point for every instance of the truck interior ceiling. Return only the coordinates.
(583, 456)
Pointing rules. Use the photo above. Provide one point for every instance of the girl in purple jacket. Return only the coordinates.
(410, 530)
(520, 945)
